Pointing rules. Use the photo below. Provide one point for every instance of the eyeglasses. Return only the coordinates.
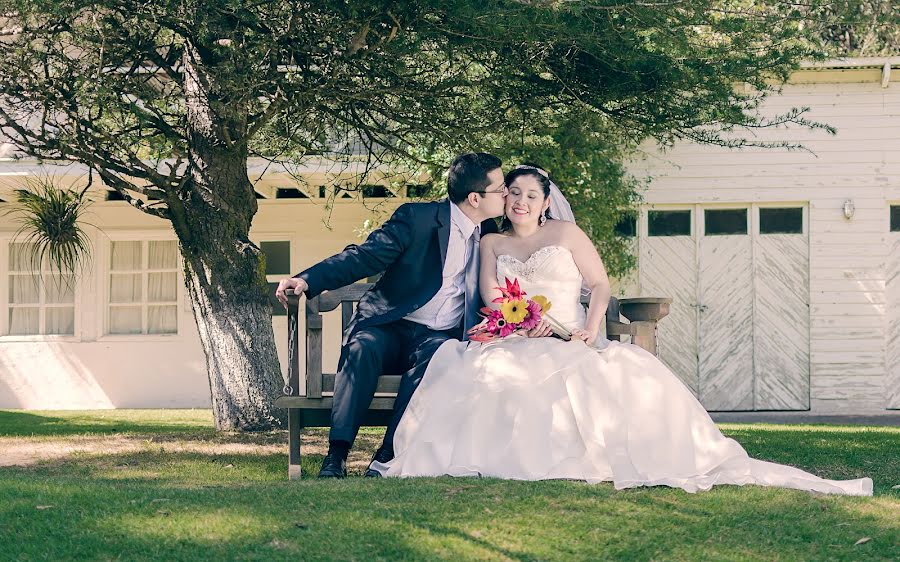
(504, 190)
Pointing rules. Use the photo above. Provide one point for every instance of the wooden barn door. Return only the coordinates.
(892, 349)
(738, 331)
(668, 267)
(781, 308)
(726, 310)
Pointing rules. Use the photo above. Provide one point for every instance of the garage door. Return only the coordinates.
(738, 333)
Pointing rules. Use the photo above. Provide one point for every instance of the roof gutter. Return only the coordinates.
(884, 63)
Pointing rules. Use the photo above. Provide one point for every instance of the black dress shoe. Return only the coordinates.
(333, 466)
(382, 455)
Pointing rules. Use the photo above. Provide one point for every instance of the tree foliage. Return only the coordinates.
(167, 99)
(856, 28)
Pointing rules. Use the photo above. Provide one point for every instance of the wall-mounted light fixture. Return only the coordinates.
(848, 209)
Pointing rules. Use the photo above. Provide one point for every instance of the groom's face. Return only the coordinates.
(493, 198)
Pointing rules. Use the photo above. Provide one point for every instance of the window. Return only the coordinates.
(895, 218)
(143, 287)
(627, 226)
(721, 222)
(669, 223)
(418, 191)
(289, 193)
(376, 191)
(278, 266)
(41, 299)
(781, 221)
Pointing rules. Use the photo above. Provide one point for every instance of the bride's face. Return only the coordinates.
(525, 201)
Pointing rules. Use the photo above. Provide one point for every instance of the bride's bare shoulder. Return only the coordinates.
(493, 238)
(564, 229)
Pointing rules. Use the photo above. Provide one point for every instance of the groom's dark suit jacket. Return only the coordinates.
(410, 248)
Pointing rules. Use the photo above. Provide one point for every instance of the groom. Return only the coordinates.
(427, 295)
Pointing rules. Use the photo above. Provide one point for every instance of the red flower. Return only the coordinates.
(511, 292)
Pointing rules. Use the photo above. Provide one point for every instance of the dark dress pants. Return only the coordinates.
(400, 347)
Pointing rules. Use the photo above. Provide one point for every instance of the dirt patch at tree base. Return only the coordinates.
(26, 452)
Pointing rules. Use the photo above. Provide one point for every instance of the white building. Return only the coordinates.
(785, 265)
(781, 301)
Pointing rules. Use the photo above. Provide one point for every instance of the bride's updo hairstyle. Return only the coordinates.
(531, 170)
(468, 174)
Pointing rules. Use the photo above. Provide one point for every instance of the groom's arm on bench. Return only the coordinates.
(356, 262)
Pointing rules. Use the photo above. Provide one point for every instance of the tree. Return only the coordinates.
(166, 100)
(856, 27)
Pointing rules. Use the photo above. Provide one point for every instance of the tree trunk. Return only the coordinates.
(224, 271)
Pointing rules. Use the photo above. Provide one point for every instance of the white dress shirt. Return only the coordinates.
(445, 309)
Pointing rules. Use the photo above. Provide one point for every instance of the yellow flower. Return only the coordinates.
(545, 304)
(514, 311)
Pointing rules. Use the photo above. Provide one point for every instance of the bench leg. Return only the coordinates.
(294, 444)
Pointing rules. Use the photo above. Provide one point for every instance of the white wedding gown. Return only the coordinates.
(543, 408)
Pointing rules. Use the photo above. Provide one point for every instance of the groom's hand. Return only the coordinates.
(295, 283)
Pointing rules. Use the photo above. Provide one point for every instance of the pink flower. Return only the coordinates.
(534, 316)
(495, 322)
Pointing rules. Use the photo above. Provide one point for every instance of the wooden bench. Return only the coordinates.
(313, 409)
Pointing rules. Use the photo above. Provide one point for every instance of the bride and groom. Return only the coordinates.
(528, 406)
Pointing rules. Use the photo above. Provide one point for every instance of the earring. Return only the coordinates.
(543, 220)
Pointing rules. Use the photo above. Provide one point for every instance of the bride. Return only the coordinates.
(588, 409)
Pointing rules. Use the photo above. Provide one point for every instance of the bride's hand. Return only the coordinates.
(584, 335)
(542, 330)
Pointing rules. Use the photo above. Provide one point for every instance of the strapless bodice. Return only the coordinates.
(551, 271)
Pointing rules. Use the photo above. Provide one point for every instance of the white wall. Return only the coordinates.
(95, 370)
(847, 258)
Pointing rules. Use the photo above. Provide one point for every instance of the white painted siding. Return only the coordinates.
(848, 259)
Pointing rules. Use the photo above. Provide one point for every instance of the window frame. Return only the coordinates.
(747, 208)
(103, 257)
(5, 240)
(643, 226)
(803, 205)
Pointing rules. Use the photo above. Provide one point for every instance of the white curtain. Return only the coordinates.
(126, 256)
(24, 321)
(162, 288)
(25, 288)
(60, 320)
(126, 288)
(59, 290)
(163, 255)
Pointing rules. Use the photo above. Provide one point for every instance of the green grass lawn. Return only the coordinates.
(162, 485)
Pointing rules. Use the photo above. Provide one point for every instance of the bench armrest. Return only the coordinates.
(313, 346)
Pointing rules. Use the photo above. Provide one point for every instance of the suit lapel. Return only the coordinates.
(443, 232)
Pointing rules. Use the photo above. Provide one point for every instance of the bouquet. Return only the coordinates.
(515, 313)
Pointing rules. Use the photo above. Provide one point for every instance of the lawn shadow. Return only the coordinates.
(19, 423)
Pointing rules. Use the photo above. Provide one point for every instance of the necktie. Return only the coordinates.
(470, 314)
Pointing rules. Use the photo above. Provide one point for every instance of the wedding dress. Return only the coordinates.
(544, 408)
